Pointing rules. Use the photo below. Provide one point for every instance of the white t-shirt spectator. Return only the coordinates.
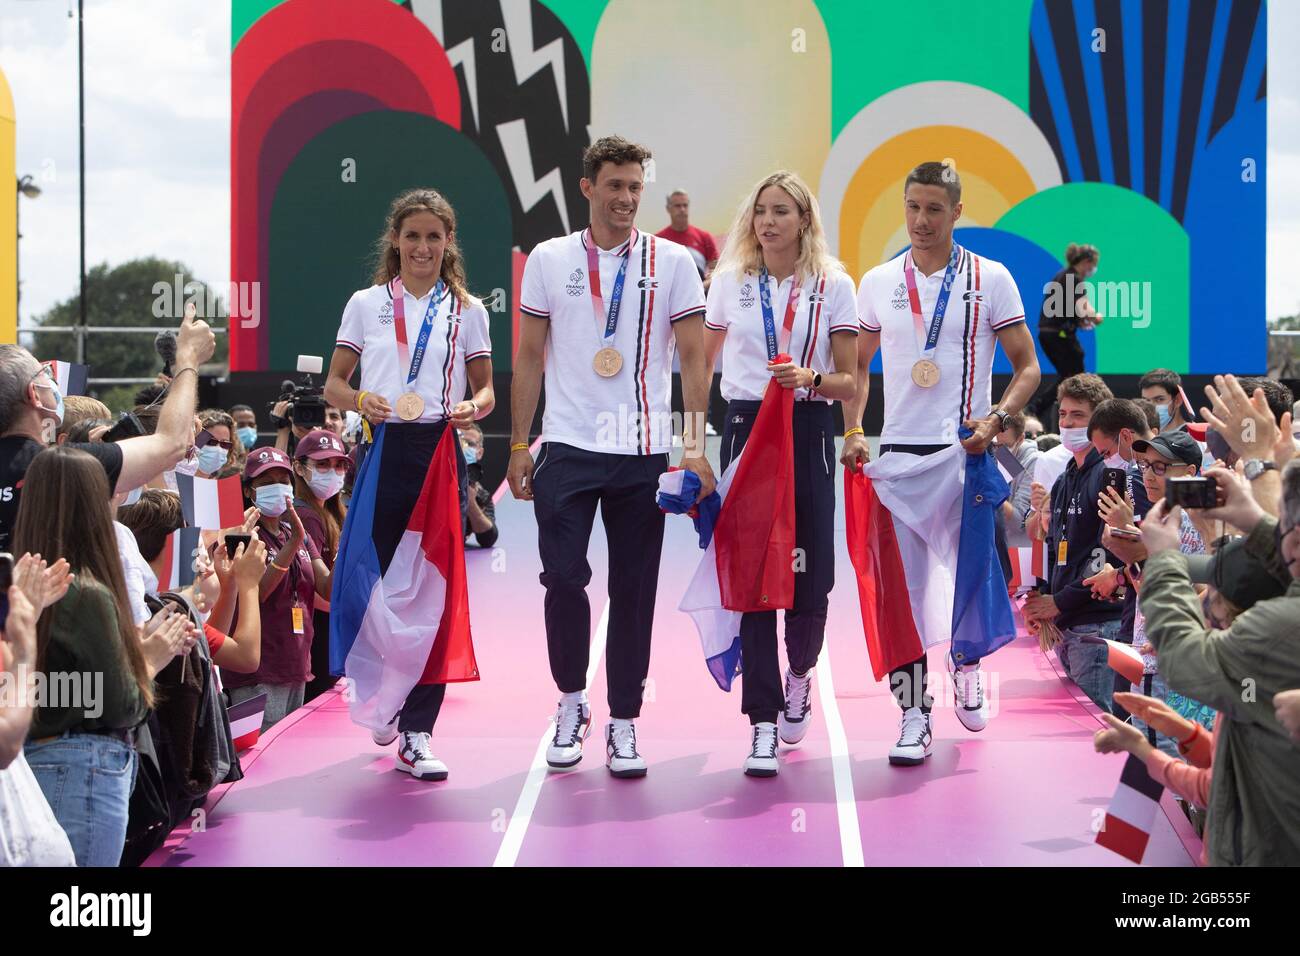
(629, 413)
(827, 305)
(984, 300)
(140, 579)
(460, 335)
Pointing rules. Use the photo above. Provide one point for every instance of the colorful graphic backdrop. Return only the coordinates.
(1136, 125)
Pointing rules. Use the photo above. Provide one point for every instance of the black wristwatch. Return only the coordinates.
(1002, 419)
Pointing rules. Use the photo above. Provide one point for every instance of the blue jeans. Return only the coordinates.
(87, 780)
(1085, 664)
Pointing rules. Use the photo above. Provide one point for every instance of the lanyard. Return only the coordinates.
(615, 297)
(399, 326)
(769, 318)
(940, 305)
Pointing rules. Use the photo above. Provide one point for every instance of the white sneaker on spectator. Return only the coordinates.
(762, 761)
(415, 758)
(621, 755)
(968, 687)
(796, 716)
(572, 725)
(914, 739)
(387, 735)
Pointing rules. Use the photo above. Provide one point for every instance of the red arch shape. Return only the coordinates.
(302, 48)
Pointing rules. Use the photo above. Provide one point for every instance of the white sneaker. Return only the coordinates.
(796, 717)
(572, 725)
(415, 758)
(969, 691)
(387, 735)
(913, 739)
(761, 761)
(621, 756)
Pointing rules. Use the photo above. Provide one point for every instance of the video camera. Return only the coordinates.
(306, 401)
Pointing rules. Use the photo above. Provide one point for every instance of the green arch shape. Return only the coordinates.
(1144, 252)
(323, 229)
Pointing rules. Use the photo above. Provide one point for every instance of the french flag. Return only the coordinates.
(921, 539)
(1124, 659)
(1132, 812)
(179, 551)
(410, 624)
(1027, 567)
(246, 721)
(211, 503)
(72, 378)
(748, 557)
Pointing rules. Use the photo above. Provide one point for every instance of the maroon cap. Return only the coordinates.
(262, 459)
(320, 443)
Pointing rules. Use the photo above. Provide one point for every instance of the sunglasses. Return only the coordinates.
(206, 438)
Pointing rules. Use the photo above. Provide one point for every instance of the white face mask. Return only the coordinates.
(325, 485)
(1116, 461)
(1075, 439)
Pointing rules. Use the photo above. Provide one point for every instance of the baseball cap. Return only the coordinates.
(263, 459)
(1174, 445)
(1237, 574)
(320, 443)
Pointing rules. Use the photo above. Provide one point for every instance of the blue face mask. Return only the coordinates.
(471, 454)
(1165, 416)
(58, 399)
(270, 499)
(247, 435)
(212, 458)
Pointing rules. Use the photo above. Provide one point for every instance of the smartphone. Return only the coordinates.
(1126, 534)
(1115, 478)
(128, 426)
(1192, 492)
(6, 579)
(233, 541)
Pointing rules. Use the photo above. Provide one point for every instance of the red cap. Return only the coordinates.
(320, 443)
(262, 459)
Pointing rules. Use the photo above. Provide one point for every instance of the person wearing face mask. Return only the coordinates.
(1068, 519)
(320, 468)
(219, 445)
(245, 425)
(295, 578)
(1064, 312)
(1164, 388)
(480, 513)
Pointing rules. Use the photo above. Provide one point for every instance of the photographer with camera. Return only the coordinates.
(302, 408)
(480, 513)
(31, 409)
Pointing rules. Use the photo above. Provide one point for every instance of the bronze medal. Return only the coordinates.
(925, 373)
(608, 362)
(410, 407)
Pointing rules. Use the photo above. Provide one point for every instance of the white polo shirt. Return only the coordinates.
(460, 335)
(984, 300)
(629, 413)
(827, 305)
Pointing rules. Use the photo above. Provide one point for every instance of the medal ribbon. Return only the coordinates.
(593, 278)
(769, 317)
(940, 306)
(399, 326)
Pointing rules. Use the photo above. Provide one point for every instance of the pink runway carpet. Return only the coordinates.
(1026, 791)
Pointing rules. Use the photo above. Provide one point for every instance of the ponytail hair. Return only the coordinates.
(389, 261)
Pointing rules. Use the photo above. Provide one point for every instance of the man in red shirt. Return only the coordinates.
(700, 243)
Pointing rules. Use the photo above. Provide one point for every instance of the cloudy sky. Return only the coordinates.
(158, 139)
